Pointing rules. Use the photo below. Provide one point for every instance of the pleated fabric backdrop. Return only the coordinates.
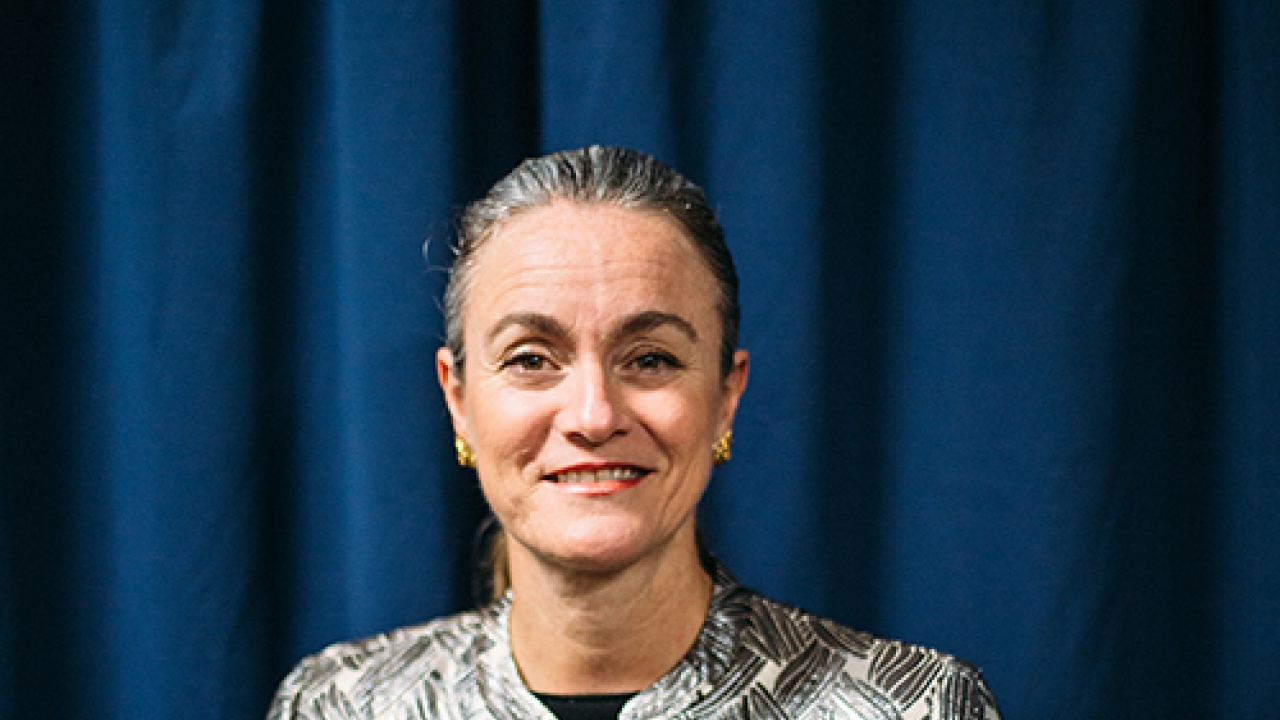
(1011, 278)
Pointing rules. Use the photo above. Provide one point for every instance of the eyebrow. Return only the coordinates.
(651, 320)
(537, 322)
(632, 325)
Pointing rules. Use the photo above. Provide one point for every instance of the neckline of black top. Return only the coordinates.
(585, 707)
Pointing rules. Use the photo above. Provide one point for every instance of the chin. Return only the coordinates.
(597, 552)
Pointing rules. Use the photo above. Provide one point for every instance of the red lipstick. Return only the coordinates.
(597, 479)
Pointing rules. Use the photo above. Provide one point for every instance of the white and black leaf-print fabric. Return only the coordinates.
(754, 659)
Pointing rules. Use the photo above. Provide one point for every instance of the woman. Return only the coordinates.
(592, 374)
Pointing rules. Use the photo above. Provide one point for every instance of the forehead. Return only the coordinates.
(568, 231)
(594, 255)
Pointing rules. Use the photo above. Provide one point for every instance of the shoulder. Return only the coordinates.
(805, 655)
(357, 678)
(922, 680)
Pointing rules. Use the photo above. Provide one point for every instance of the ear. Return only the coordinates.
(735, 383)
(451, 385)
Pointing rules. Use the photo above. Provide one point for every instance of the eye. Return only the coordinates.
(654, 361)
(527, 362)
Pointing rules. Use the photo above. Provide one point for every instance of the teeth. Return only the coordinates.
(605, 475)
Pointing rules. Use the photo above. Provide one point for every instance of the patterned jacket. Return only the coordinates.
(754, 658)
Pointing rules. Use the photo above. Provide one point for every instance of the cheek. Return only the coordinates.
(506, 427)
(680, 419)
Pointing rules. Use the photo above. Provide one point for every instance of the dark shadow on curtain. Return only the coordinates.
(500, 119)
(686, 32)
(861, 72)
(40, 622)
(286, 82)
(1166, 370)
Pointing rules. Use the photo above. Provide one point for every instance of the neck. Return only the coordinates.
(613, 632)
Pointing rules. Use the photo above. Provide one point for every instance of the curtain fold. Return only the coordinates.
(1011, 283)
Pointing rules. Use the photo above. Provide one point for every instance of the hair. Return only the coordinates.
(594, 175)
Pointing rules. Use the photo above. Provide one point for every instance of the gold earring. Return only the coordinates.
(466, 458)
(723, 449)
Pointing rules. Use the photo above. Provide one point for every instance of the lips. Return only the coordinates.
(597, 480)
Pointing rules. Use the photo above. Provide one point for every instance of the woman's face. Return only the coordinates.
(592, 392)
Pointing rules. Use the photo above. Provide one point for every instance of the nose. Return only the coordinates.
(593, 411)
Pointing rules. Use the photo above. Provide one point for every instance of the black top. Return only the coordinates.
(585, 707)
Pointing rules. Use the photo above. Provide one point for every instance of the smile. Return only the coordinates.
(598, 476)
(597, 480)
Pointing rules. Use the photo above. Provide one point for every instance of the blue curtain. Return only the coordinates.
(1011, 278)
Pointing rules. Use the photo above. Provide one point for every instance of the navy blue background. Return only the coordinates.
(1010, 278)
